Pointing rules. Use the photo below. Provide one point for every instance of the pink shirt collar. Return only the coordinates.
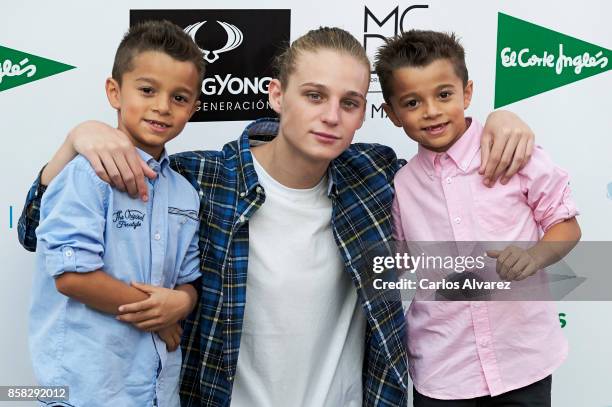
(462, 152)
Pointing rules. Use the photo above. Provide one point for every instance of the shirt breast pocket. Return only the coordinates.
(497, 209)
(182, 216)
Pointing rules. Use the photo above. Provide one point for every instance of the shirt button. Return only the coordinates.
(69, 253)
(457, 220)
(258, 189)
(157, 236)
(449, 180)
(231, 378)
(484, 343)
(242, 194)
(242, 219)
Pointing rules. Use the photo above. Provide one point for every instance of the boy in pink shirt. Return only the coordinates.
(472, 353)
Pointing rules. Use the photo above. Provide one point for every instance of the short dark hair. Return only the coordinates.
(162, 36)
(417, 48)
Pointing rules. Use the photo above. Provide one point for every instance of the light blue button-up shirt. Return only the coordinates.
(86, 225)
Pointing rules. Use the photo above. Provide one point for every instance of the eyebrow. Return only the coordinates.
(323, 87)
(154, 82)
(438, 88)
(407, 95)
(145, 79)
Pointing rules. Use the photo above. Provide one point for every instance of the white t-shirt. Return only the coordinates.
(304, 331)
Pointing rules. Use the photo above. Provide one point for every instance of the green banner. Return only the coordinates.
(533, 59)
(18, 68)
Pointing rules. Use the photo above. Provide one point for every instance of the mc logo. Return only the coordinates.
(377, 31)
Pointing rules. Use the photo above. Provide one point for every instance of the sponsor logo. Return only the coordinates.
(377, 111)
(239, 47)
(378, 24)
(18, 68)
(533, 59)
(234, 39)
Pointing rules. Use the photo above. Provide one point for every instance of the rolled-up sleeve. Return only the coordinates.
(548, 190)
(72, 221)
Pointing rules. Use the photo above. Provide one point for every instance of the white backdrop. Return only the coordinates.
(573, 123)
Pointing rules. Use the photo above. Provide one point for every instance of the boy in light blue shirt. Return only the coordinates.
(98, 249)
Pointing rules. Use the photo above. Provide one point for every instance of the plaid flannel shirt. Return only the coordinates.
(361, 193)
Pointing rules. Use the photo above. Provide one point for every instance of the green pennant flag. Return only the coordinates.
(533, 59)
(18, 68)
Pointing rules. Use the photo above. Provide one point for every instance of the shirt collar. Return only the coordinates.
(461, 153)
(258, 132)
(160, 166)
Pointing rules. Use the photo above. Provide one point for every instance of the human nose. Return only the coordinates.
(331, 114)
(431, 110)
(161, 105)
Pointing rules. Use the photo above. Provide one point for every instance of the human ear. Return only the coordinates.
(391, 113)
(467, 94)
(275, 95)
(113, 93)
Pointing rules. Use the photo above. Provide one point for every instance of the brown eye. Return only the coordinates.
(411, 104)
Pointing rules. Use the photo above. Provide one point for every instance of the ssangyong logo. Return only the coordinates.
(234, 39)
(239, 47)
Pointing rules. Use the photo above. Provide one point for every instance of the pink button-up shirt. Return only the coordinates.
(462, 349)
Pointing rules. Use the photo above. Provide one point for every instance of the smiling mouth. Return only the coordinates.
(436, 128)
(156, 124)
